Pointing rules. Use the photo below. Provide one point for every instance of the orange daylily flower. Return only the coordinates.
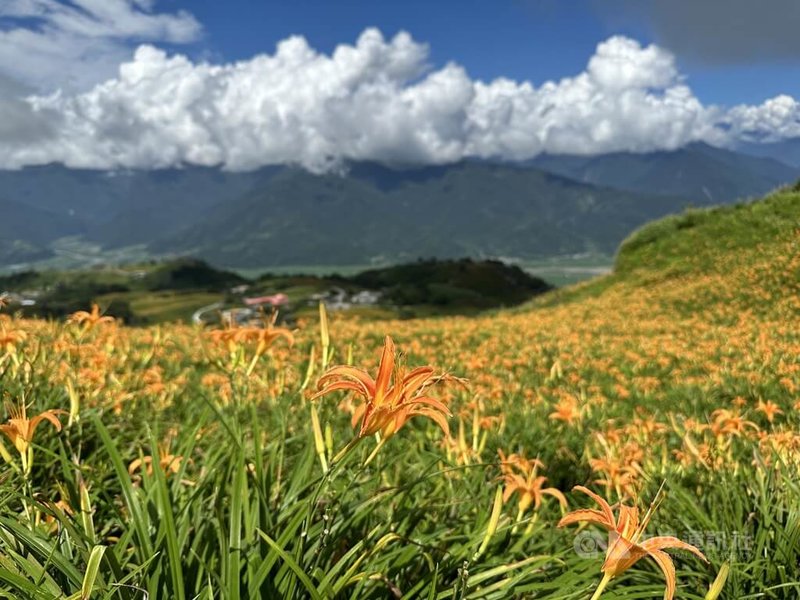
(769, 408)
(727, 422)
(566, 410)
(51, 521)
(20, 430)
(624, 548)
(227, 336)
(170, 463)
(10, 339)
(521, 476)
(265, 336)
(388, 404)
(231, 334)
(618, 476)
(90, 319)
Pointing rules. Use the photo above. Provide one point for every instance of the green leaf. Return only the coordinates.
(292, 564)
(92, 571)
(137, 516)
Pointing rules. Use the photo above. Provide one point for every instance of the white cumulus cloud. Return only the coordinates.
(775, 119)
(50, 43)
(377, 99)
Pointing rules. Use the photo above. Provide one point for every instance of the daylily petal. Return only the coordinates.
(405, 412)
(604, 506)
(385, 369)
(588, 515)
(372, 420)
(556, 494)
(435, 404)
(349, 372)
(525, 500)
(417, 379)
(50, 415)
(358, 413)
(137, 463)
(655, 544)
(621, 554)
(438, 418)
(355, 386)
(668, 568)
(10, 431)
(628, 521)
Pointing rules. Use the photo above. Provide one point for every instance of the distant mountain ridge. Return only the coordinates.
(693, 172)
(553, 205)
(785, 151)
(126, 207)
(467, 209)
(25, 231)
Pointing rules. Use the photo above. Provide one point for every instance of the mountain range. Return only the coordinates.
(786, 151)
(372, 213)
(699, 172)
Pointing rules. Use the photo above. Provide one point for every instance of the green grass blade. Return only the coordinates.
(167, 514)
(137, 516)
(92, 571)
(235, 529)
(289, 561)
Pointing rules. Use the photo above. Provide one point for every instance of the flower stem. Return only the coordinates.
(515, 528)
(375, 451)
(531, 524)
(602, 586)
(344, 451)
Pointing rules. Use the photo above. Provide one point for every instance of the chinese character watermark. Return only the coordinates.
(735, 545)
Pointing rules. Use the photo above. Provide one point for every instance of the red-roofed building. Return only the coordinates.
(273, 300)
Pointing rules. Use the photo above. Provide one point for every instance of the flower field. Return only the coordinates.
(332, 461)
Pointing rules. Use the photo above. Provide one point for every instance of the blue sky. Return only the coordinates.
(534, 40)
(246, 83)
(490, 38)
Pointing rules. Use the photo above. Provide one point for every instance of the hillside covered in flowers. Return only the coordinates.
(430, 458)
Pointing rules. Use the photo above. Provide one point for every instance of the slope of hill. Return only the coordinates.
(377, 214)
(708, 240)
(25, 231)
(744, 257)
(699, 172)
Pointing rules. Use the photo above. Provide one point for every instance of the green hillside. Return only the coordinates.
(695, 240)
(745, 255)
